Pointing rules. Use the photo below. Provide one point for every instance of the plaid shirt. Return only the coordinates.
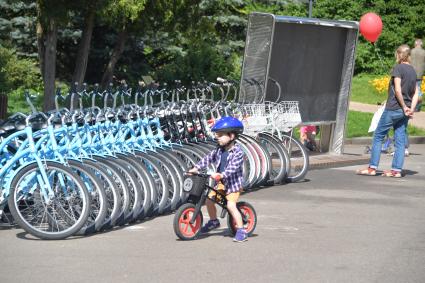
(232, 175)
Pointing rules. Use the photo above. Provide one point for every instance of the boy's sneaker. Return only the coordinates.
(211, 225)
(241, 236)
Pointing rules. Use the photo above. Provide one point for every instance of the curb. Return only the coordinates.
(336, 164)
(368, 140)
(326, 161)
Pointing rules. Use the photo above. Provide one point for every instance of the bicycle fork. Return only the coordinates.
(198, 207)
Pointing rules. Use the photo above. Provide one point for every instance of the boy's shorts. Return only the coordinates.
(230, 197)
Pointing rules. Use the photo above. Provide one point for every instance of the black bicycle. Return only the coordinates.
(188, 219)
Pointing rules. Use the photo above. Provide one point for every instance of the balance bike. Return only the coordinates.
(188, 219)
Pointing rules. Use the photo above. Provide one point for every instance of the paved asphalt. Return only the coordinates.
(335, 227)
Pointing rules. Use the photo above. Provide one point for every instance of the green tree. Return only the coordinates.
(120, 15)
(89, 10)
(17, 28)
(50, 14)
(400, 25)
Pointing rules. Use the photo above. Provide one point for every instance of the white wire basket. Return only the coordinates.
(286, 115)
(255, 118)
(282, 116)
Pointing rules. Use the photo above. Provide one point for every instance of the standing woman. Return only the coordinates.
(400, 106)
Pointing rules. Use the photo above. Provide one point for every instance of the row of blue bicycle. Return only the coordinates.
(78, 171)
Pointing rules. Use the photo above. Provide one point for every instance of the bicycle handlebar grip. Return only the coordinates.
(217, 178)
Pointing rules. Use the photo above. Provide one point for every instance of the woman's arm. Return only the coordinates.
(399, 96)
(415, 100)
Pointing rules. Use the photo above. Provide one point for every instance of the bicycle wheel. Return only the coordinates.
(187, 158)
(257, 161)
(264, 158)
(160, 182)
(181, 168)
(173, 183)
(299, 159)
(111, 190)
(182, 226)
(120, 183)
(249, 168)
(147, 190)
(49, 217)
(128, 170)
(249, 218)
(98, 205)
(276, 152)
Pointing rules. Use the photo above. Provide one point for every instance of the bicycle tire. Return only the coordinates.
(299, 158)
(160, 183)
(111, 190)
(133, 185)
(248, 168)
(275, 148)
(181, 168)
(173, 176)
(249, 218)
(121, 184)
(149, 193)
(181, 221)
(266, 162)
(253, 150)
(98, 201)
(15, 205)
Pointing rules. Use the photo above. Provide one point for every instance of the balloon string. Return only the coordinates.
(384, 68)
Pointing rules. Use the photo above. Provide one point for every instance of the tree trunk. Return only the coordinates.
(84, 48)
(50, 65)
(41, 47)
(116, 55)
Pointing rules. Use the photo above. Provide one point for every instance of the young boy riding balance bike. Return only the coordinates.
(227, 159)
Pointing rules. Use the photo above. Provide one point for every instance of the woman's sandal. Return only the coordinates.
(391, 173)
(368, 172)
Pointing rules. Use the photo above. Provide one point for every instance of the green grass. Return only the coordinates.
(17, 103)
(363, 91)
(358, 125)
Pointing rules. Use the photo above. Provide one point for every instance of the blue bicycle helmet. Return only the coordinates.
(229, 125)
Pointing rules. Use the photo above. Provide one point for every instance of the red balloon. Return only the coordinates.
(371, 26)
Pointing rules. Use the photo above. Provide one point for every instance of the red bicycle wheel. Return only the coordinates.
(182, 226)
(248, 215)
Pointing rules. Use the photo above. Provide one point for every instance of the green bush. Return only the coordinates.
(16, 73)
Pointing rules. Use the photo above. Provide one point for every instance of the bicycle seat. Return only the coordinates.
(7, 127)
(100, 119)
(57, 122)
(38, 124)
(20, 125)
(133, 116)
